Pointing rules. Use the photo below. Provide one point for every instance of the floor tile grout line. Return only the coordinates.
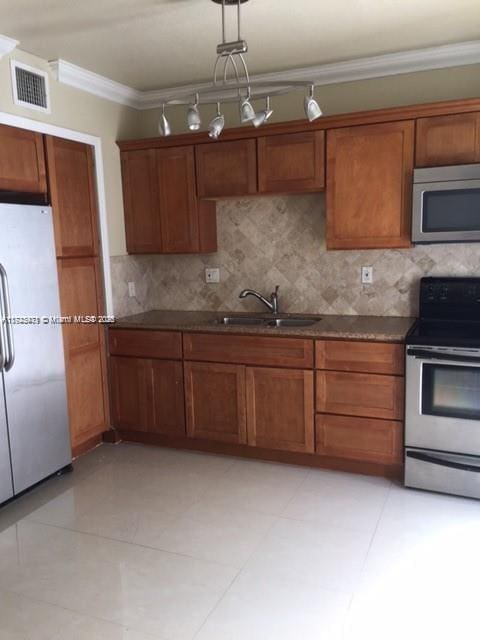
(374, 533)
(132, 544)
(80, 613)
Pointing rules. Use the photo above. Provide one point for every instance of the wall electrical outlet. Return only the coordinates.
(367, 275)
(131, 289)
(212, 276)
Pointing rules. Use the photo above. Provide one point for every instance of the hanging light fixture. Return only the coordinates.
(312, 109)
(194, 120)
(232, 84)
(215, 127)
(164, 125)
(263, 116)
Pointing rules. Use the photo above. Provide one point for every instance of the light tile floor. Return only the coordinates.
(143, 543)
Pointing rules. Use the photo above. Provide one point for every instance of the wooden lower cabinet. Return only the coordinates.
(215, 401)
(356, 438)
(360, 394)
(147, 395)
(280, 409)
(81, 294)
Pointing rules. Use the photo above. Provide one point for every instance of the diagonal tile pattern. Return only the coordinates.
(281, 240)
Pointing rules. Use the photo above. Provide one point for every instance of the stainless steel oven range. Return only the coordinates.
(442, 420)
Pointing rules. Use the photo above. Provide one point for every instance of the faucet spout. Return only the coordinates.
(272, 304)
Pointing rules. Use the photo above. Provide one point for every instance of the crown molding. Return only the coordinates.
(441, 57)
(7, 45)
(74, 76)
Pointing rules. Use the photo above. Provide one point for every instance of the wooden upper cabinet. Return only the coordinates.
(141, 202)
(178, 203)
(280, 409)
(73, 196)
(22, 161)
(444, 140)
(226, 169)
(369, 184)
(291, 162)
(162, 212)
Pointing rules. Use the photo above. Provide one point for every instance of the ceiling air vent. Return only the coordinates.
(30, 87)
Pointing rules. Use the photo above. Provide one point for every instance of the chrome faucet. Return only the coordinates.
(271, 304)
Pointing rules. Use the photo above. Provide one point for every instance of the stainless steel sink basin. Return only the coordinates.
(245, 321)
(291, 322)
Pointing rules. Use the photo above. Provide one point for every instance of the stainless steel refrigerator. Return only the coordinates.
(34, 433)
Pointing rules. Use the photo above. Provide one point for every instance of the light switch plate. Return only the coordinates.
(131, 289)
(212, 276)
(367, 275)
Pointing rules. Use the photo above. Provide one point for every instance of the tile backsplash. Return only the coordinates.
(271, 241)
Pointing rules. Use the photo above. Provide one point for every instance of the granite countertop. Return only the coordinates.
(378, 328)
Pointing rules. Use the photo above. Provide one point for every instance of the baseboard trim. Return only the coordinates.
(112, 436)
(87, 445)
(394, 471)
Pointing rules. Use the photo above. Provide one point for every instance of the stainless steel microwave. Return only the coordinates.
(446, 204)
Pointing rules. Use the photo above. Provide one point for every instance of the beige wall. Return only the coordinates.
(74, 109)
(392, 91)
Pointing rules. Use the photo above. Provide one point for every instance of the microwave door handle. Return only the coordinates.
(10, 359)
(442, 462)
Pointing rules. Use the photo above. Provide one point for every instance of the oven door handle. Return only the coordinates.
(425, 457)
(424, 354)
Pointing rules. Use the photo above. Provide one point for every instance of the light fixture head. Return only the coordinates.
(247, 112)
(164, 125)
(312, 108)
(194, 121)
(216, 126)
(263, 116)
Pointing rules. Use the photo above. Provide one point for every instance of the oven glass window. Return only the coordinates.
(451, 391)
(453, 210)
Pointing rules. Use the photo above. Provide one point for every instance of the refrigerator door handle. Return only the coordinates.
(3, 325)
(10, 359)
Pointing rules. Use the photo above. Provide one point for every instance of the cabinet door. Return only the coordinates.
(141, 201)
(73, 195)
(291, 162)
(359, 394)
(226, 168)
(178, 205)
(81, 294)
(364, 439)
(22, 161)
(215, 401)
(444, 140)
(131, 393)
(280, 409)
(168, 397)
(369, 185)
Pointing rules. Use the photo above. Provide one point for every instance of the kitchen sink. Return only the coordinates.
(267, 322)
(291, 322)
(245, 321)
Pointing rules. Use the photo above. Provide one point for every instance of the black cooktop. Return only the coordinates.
(449, 313)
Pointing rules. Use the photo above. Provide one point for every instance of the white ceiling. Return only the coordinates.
(149, 44)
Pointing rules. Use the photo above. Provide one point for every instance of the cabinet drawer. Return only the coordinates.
(359, 438)
(255, 350)
(367, 357)
(145, 344)
(360, 394)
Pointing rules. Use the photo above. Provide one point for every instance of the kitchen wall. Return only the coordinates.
(74, 109)
(280, 240)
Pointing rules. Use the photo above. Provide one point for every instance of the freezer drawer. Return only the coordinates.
(443, 472)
